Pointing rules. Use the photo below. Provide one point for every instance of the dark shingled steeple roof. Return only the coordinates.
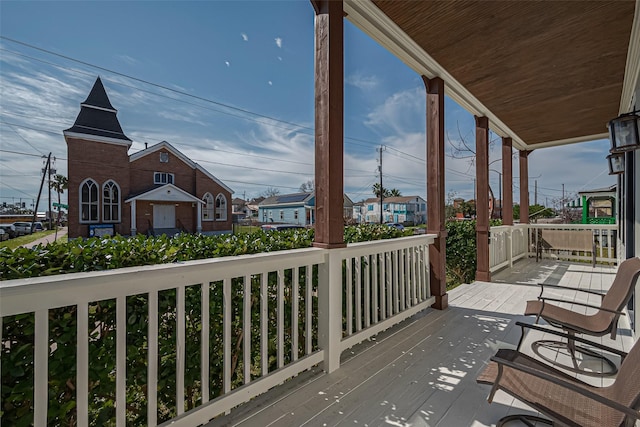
(97, 116)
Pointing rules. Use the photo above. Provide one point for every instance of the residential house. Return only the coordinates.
(152, 191)
(599, 205)
(296, 208)
(403, 209)
(240, 210)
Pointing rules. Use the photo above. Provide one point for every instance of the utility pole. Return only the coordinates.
(564, 207)
(51, 170)
(381, 190)
(535, 198)
(44, 174)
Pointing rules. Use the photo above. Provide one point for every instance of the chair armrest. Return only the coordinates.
(612, 350)
(621, 313)
(573, 386)
(570, 288)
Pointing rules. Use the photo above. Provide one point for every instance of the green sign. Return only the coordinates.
(60, 205)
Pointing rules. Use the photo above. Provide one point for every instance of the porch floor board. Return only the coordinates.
(422, 372)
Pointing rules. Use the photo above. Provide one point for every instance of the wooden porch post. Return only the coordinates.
(329, 225)
(329, 108)
(524, 187)
(482, 199)
(507, 182)
(435, 190)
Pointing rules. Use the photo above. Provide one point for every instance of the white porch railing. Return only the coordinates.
(602, 237)
(573, 242)
(508, 244)
(180, 344)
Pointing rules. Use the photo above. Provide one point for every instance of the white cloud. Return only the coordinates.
(227, 63)
(362, 82)
(270, 83)
(278, 42)
(400, 113)
(127, 59)
(279, 58)
(244, 37)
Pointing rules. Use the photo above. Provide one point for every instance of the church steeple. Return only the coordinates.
(97, 118)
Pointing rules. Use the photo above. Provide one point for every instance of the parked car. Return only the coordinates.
(37, 226)
(22, 228)
(9, 230)
(396, 225)
(3, 236)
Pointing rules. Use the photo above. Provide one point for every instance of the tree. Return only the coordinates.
(270, 192)
(59, 184)
(394, 192)
(535, 211)
(308, 187)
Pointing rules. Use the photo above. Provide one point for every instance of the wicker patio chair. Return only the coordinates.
(604, 321)
(563, 398)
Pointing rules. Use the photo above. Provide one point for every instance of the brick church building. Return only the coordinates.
(153, 191)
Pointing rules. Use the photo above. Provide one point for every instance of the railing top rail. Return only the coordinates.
(386, 245)
(577, 226)
(28, 295)
(47, 292)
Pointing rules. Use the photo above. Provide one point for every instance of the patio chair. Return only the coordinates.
(604, 321)
(561, 397)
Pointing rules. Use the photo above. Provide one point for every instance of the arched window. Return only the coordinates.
(88, 201)
(221, 207)
(110, 202)
(207, 209)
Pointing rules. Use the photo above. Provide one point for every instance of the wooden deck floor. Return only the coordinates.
(422, 372)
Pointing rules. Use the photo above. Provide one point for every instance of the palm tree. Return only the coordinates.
(395, 193)
(59, 184)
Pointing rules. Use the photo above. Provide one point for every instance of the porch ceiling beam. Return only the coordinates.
(366, 16)
(405, 32)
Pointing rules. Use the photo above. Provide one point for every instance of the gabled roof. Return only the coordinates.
(166, 193)
(97, 119)
(287, 199)
(173, 150)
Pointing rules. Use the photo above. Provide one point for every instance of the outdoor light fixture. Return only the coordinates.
(616, 163)
(624, 132)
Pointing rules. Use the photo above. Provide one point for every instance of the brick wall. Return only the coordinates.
(101, 162)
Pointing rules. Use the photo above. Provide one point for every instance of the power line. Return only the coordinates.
(310, 130)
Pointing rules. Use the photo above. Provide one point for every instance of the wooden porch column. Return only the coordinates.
(507, 182)
(329, 108)
(482, 199)
(435, 190)
(524, 187)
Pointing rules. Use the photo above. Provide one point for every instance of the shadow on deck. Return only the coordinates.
(422, 372)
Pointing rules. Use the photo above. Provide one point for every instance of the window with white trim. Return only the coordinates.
(221, 207)
(110, 202)
(208, 208)
(88, 201)
(163, 178)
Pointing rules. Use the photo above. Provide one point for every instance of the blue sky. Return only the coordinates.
(241, 98)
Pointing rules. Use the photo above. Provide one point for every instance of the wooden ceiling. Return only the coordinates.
(551, 71)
